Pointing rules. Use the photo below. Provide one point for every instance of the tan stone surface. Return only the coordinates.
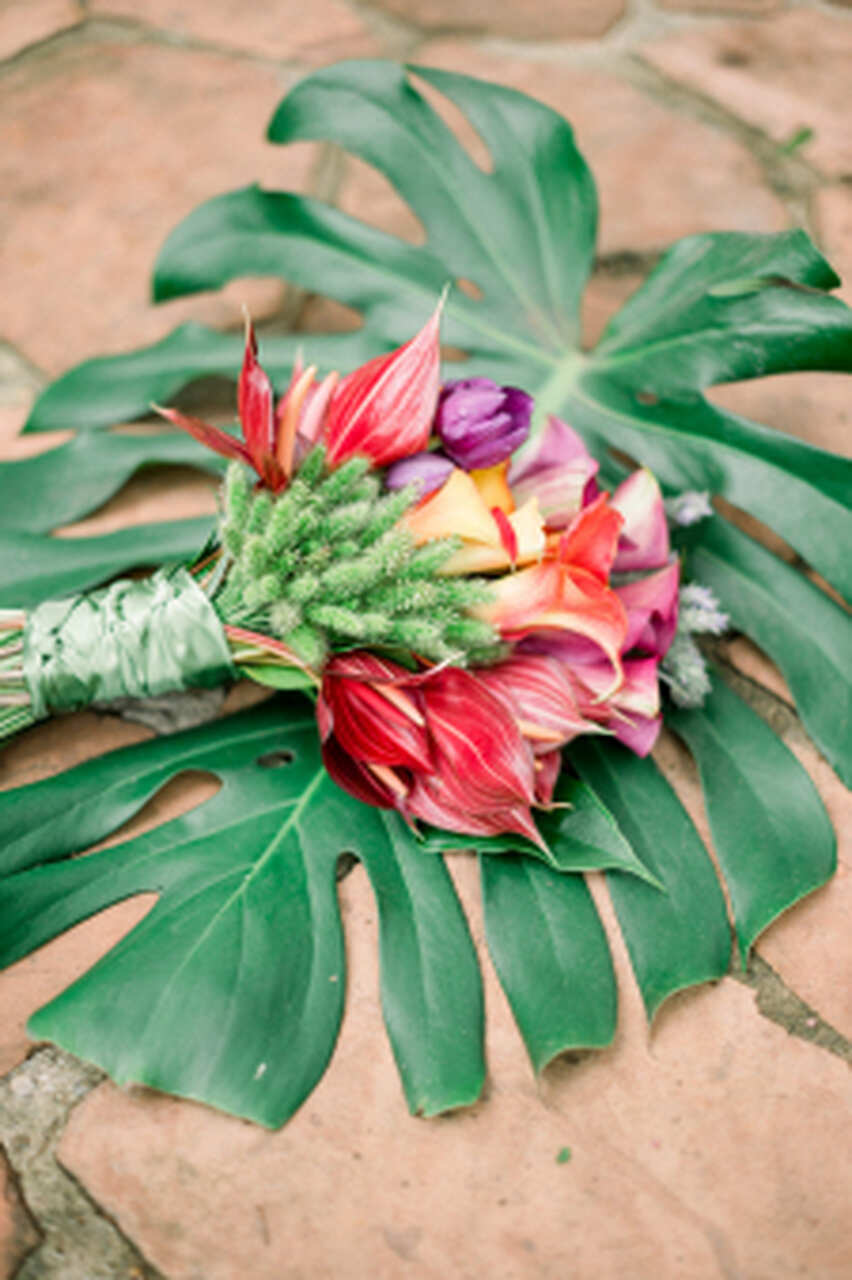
(18, 1235)
(751, 8)
(748, 659)
(643, 157)
(833, 212)
(706, 1152)
(783, 75)
(121, 140)
(811, 945)
(525, 19)
(322, 31)
(816, 407)
(24, 22)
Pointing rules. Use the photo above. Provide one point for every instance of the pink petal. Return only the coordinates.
(558, 470)
(651, 605)
(644, 542)
(548, 767)
(639, 733)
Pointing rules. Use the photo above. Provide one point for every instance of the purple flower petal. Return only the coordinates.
(427, 470)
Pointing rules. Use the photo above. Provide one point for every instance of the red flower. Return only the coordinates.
(436, 745)
(383, 410)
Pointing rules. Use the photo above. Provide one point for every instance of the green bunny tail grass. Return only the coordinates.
(15, 706)
(327, 566)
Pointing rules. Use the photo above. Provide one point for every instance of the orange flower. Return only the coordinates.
(493, 538)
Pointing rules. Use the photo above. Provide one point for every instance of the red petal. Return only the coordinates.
(480, 753)
(547, 771)
(373, 727)
(429, 801)
(538, 691)
(384, 410)
(507, 534)
(255, 400)
(212, 437)
(355, 778)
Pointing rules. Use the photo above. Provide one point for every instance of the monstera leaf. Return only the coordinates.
(242, 957)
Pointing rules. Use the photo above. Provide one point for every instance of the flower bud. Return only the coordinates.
(480, 423)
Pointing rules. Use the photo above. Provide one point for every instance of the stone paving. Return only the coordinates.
(718, 1145)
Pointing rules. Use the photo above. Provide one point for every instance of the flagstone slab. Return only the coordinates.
(524, 19)
(717, 1147)
(642, 155)
(751, 8)
(123, 138)
(815, 407)
(289, 30)
(18, 1233)
(811, 946)
(784, 75)
(25, 22)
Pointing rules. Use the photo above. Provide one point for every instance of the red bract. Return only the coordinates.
(273, 439)
(438, 745)
(384, 410)
(538, 692)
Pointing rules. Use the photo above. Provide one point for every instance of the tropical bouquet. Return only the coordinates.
(480, 593)
(462, 600)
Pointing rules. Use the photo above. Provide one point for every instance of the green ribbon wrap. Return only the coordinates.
(133, 639)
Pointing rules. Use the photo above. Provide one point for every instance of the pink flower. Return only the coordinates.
(644, 541)
(632, 713)
(651, 605)
(558, 470)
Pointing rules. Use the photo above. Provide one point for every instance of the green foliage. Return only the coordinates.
(247, 906)
(290, 575)
(247, 910)
(37, 567)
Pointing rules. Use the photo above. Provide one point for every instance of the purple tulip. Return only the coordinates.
(427, 470)
(480, 423)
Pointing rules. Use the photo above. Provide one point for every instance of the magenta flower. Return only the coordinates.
(632, 714)
(651, 605)
(480, 423)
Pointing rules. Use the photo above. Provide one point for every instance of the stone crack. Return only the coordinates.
(78, 1240)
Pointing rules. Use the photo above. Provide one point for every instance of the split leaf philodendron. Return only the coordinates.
(246, 882)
